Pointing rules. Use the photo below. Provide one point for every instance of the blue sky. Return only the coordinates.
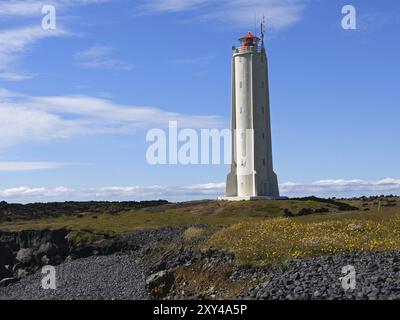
(76, 102)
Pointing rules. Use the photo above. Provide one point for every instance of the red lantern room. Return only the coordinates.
(249, 40)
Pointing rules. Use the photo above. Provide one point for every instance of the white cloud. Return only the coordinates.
(14, 77)
(95, 52)
(172, 5)
(20, 8)
(5, 93)
(25, 8)
(100, 57)
(58, 117)
(33, 193)
(279, 13)
(27, 194)
(16, 42)
(29, 166)
(341, 186)
(325, 188)
(22, 124)
(152, 192)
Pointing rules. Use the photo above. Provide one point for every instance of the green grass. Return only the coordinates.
(255, 231)
(207, 212)
(82, 237)
(281, 239)
(277, 240)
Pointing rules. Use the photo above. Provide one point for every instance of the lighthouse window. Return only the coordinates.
(263, 110)
(241, 110)
(264, 162)
(263, 136)
(240, 59)
(262, 84)
(241, 84)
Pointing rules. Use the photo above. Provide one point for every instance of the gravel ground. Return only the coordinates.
(95, 278)
(377, 277)
(119, 277)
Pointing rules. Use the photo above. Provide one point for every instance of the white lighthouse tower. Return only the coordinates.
(252, 175)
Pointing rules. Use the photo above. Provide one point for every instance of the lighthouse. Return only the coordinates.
(252, 175)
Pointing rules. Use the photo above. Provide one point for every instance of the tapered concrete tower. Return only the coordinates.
(252, 175)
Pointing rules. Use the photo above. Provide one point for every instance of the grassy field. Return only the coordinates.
(376, 227)
(204, 212)
(257, 232)
(282, 239)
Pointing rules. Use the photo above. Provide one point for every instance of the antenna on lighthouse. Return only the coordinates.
(255, 23)
(262, 31)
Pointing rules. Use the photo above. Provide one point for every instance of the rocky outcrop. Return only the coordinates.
(25, 252)
(6, 255)
(5, 272)
(117, 268)
(22, 253)
(159, 284)
(25, 257)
